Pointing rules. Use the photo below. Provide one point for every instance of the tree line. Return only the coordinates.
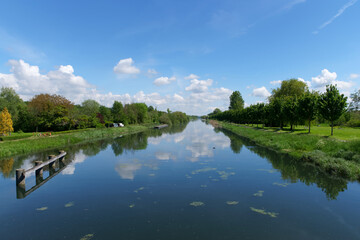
(45, 112)
(294, 104)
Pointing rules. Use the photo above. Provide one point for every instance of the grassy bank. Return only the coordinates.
(30, 144)
(336, 156)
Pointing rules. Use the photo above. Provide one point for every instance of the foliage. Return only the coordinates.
(289, 88)
(118, 114)
(236, 101)
(90, 107)
(11, 100)
(291, 111)
(307, 107)
(51, 112)
(6, 124)
(332, 105)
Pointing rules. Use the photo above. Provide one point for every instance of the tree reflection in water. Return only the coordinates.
(290, 168)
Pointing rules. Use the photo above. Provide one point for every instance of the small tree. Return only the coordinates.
(332, 105)
(6, 124)
(307, 107)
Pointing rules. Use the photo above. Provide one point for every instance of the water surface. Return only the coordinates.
(184, 182)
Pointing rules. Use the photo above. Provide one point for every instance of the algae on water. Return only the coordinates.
(42, 208)
(267, 170)
(224, 175)
(139, 189)
(207, 169)
(70, 204)
(87, 236)
(263, 212)
(281, 184)
(197, 204)
(259, 193)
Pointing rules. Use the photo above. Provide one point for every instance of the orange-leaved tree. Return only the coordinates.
(6, 124)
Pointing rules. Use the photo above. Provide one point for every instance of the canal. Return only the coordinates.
(182, 182)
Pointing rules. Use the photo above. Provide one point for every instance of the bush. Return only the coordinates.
(353, 123)
(356, 158)
(348, 155)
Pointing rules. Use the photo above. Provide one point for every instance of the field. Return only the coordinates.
(341, 133)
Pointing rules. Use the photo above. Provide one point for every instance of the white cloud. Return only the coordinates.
(164, 81)
(261, 92)
(277, 82)
(326, 78)
(178, 98)
(354, 76)
(292, 4)
(192, 76)
(198, 86)
(125, 66)
(127, 170)
(151, 73)
(28, 80)
(78, 158)
(338, 14)
(165, 156)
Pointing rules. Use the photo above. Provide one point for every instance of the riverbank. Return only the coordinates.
(59, 140)
(337, 157)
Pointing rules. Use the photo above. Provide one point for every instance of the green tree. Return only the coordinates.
(106, 113)
(118, 113)
(332, 105)
(48, 108)
(11, 100)
(236, 101)
(90, 107)
(307, 107)
(276, 112)
(289, 88)
(291, 111)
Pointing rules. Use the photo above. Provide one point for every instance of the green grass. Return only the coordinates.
(341, 133)
(338, 155)
(24, 143)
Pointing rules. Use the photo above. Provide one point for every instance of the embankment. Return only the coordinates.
(35, 144)
(337, 157)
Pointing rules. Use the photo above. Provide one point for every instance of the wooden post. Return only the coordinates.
(20, 191)
(39, 172)
(20, 177)
(61, 160)
(52, 164)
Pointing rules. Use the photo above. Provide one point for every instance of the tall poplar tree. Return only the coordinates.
(236, 101)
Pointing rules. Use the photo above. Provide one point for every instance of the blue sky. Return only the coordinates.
(185, 55)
